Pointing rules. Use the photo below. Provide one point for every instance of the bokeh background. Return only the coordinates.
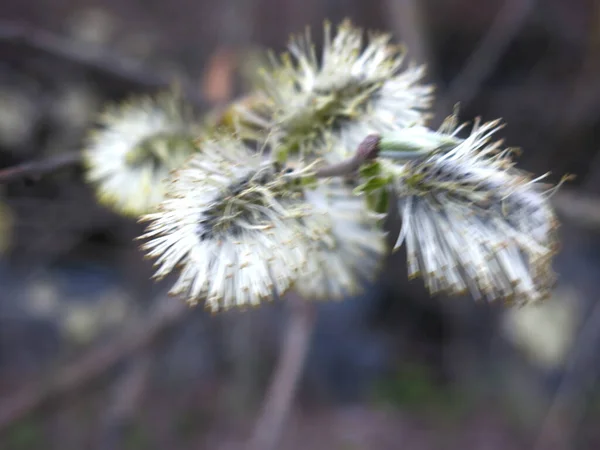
(93, 356)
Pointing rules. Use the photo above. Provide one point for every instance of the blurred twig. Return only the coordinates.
(578, 105)
(484, 59)
(75, 376)
(218, 83)
(54, 163)
(125, 401)
(94, 58)
(581, 209)
(280, 394)
(41, 167)
(406, 18)
(581, 372)
(565, 412)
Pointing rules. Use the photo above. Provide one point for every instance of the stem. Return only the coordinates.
(346, 167)
(367, 150)
(280, 394)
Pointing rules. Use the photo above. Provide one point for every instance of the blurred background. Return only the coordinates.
(93, 356)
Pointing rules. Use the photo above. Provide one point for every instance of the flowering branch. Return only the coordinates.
(241, 229)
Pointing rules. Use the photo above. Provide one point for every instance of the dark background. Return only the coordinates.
(90, 356)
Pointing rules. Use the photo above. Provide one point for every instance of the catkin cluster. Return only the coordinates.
(278, 197)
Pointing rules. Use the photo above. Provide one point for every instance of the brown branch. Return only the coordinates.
(96, 59)
(282, 389)
(40, 167)
(91, 366)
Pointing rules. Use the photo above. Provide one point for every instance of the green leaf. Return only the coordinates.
(377, 201)
(382, 201)
(281, 155)
(372, 184)
(309, 181)
(370, 170)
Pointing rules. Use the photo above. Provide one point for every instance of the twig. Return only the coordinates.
(566, 410)
(579, 103)
(564, 414)
(218, 80)
(406, 18)
(91, 366)
(482, 61)
(280, 395)
(40, 167)
(126, 398)
(95, 58)
(581, 209)
(367, 150)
